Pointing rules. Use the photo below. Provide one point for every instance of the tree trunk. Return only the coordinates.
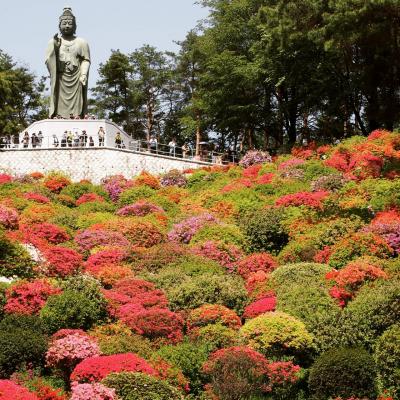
(198, 133)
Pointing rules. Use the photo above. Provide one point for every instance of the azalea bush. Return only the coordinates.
(10, 390)
(62, 261)
(94, 369)
(8, 217)
(185, 230)
(255, 157)
(95, 391)
(213, 314)
(139, 209)
(256, 262)
(173, 178)
(29, 297)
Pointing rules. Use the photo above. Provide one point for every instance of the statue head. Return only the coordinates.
(67, 23)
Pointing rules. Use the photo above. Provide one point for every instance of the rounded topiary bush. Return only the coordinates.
(193, 292)
(72, 309)
(387, 358)
(22, 342)
(343, 372)
(264, 230)
(277, 334)
(137, 386)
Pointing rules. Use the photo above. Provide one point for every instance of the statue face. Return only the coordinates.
(67, 26)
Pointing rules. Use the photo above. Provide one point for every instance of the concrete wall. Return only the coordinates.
(90, 163)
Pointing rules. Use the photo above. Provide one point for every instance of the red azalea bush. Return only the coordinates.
(62, 261)
(170, 373)
(309, 199)
(10, 390)
(36, 175)
(8, 217)
(89, 198)
(212, 314)
(155, 323)
(105, 257)
(256, 262)
(46, 392)
(261, 306)
(256, 284)
(50, 232)
(226, 255)
(5, 178)
(56, 183)
(132, 293)
(139, 209)
(94, 369)
(37, 197)
(252, 171)
(90, 238)
(29, 298)
(266, 179)
(237, 184)
(243, 370)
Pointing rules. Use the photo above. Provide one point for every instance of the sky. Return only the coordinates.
(27, 26)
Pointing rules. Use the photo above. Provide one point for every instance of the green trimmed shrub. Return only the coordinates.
(387, 358)
(228, 234)
(72, 309)
(310, 304)
(304, 274)
(14, 260)
(227, 290)
(137, 386)
(216, 336)
(375, 308)
(189, 358)
(22, 342)
(76, 190)
(134, 194)
(344, 372)
(276, 334)
(119, 344)
(264, 230)
(3, 301)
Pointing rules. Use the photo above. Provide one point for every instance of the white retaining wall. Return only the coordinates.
(90, 163)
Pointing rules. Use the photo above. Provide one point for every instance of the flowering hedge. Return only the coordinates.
(8, 217)
(261, 306)
(94, 369)
(10, 390)
(95, 391)
(256, 262)
(29, 297)
(139, 209)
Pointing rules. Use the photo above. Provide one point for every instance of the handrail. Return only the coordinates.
(140, 146)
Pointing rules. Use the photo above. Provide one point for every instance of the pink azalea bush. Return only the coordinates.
(115, 185)
(255, 157)
(139, 209)
(94, 391)
(37, 197)
(71, 349)
(91, 238)
(8, 217)
(226, 255)
(185, 230)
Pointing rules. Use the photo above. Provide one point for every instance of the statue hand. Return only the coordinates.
(83, 79)
(57, 41)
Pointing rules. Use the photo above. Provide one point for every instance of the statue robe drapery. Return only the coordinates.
(68, 95)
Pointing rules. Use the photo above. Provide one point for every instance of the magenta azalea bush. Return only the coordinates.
(139, 209)
(185, 230)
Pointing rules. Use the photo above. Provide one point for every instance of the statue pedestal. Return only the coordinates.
(50, 127)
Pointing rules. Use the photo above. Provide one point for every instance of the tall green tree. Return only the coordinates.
(21, 100)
